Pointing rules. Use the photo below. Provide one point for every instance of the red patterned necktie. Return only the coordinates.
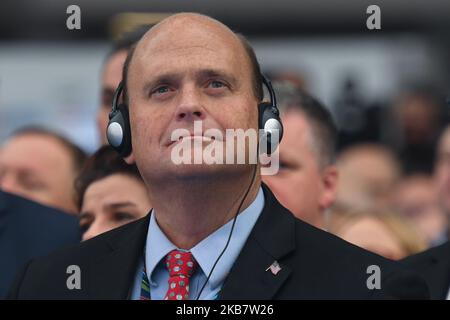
(181, 265)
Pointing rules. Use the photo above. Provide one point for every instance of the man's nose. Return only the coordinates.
(190, 107)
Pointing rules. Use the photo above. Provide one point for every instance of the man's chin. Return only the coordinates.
(197, 169)
(204, 171)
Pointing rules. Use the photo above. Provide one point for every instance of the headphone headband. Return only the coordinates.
(115, 101)
(268, 84)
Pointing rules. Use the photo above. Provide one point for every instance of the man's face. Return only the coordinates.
(111, 77)
(179, 75)
(301, 185)
(368, 174)
(39, 168)
(442, 171)
(415, 198)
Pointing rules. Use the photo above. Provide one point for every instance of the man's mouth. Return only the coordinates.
(193, 138)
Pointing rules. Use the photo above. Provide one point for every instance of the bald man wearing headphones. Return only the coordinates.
(215, 231)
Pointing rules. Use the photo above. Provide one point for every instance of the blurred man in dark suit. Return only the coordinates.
(41, 165)
(307, 180)
(434, 266)
(28, 230)
(215, 231)
(442, 180)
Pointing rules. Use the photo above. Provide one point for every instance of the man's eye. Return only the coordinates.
(216, 84)
(107, 100)
(31, 183)
(161, 90)
(284, 165)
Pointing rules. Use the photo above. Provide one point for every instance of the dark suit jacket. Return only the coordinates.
(28, 230)
(434, 266)
(314, 265)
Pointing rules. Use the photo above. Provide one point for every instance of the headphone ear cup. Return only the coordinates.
(118, 131)
(269, 123)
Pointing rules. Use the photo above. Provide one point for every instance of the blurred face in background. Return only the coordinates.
(111, 77)
(111, 202)
(442, 172)
(367, 176)
(39, 168)
(418, 117)
(416, 200)
(371, 234)
(302, 184)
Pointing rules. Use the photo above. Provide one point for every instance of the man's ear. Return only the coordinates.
(329, 184)
(130, 159)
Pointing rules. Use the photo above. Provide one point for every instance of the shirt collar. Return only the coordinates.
(157, 247)
(208, 250)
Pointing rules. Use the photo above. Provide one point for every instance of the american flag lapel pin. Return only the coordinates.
(274, 268)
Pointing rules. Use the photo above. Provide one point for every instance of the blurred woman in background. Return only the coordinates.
(110, 192)
(385, 234)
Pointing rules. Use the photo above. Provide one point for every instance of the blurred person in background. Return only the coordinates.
(442, 178)
(41, 165)
(111, 75)
(413, 128)
(29, 230)
(380, 232)
(111, 193)
(367, 176)
(434, 264)
(357, 119)
(307, 179)
(288, 78)
(416, 199)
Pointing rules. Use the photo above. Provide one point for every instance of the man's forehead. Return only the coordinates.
(18, 159)
(298, 132)
(188, 23)
(186, 33)
(35, 143)
(298, 121)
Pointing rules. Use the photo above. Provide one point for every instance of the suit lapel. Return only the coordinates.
(271, 239)
(112, 275)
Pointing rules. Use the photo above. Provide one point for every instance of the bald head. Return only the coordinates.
(199, 25)
(171, 34)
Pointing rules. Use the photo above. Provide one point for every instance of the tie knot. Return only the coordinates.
(180, 263)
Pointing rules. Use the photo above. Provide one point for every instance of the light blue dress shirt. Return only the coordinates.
(205, 253)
